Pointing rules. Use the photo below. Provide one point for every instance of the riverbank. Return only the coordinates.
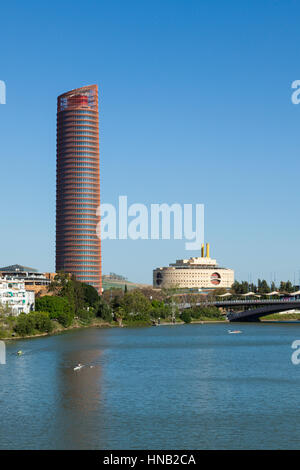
(281, 317)
(194, 322)
(97, 323)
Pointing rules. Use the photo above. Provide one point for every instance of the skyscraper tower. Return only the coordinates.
(78, 247)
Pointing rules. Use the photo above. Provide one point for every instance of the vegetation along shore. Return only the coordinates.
(70, 304)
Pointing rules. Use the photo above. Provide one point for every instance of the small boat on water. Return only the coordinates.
(234, 332)
(19, 353)
(78, 367)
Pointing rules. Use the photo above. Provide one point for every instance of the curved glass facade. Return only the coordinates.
(78, 248)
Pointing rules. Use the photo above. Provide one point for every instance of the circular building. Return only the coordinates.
(194, 273)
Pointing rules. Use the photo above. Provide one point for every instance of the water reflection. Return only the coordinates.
(190, 386)
(80, 400)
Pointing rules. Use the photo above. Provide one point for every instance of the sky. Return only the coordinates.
(195, 107)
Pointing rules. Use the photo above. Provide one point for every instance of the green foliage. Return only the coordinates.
(219, 291)
(134, 302)
(103, 310)
(281, 317)
(53, 304)
(64, 318)
(286, 286)
(86, 316)
(240, 287)
(32, 323)
(43, 322)
(186, 316)
(77, 299)
(160, 310)
(263, 287)
(61, 285)
(58, 308)
(207, 313)
(137, 306)
(273, 286)
(69, 288)
(5, 309)
(137, 320)
(3, 333)
(90, 295)
(25, 325)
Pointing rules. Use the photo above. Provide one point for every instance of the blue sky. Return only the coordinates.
(195, 107)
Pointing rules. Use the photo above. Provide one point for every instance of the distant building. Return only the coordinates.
(114, 276)
(15, 297)
(200, 272)
(32, 278)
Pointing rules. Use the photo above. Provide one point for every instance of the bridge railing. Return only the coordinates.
(256, 301)
(220, 303)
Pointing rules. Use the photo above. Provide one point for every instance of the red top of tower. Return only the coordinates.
(85, 97)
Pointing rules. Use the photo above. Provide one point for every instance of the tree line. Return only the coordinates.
(70, 302)
(262, 287)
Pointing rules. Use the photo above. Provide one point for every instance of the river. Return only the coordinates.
(169, 387)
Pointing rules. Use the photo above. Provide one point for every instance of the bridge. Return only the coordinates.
(254, 308)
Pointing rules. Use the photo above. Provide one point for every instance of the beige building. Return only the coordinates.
(200, 273)
(34, 280)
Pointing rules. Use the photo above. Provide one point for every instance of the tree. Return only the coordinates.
(263, 287)
(289, 286)
(43, 322)
(25, 325)
(135, 302)
(206, 313)
(5, 309)
(113, 297)
(65, 286)
(90, 295)
(286, 286)
(186, 316)
(78, 295)
(58, 308)
(60, 284)
(103, 310)
(219, 291)
(28, 324)
(273, 287)
(160, 310)
(86, 316)
(240, 288)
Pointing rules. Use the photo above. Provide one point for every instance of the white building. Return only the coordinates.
(194, 273)
(15, 297)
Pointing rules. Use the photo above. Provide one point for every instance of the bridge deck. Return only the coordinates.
(262, 308)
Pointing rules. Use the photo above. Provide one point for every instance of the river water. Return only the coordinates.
(170, 387)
